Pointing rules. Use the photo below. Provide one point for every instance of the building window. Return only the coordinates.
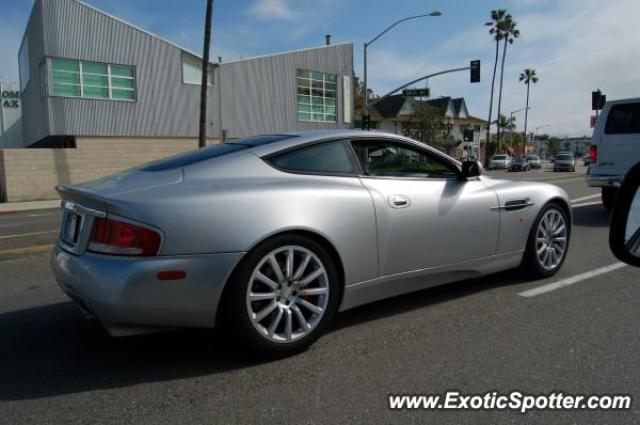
(92, 80)
(23, 63)
(192, 70)
(316, 96)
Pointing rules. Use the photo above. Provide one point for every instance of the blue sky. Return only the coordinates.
(575, 45)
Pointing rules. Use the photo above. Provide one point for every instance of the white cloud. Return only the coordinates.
(592, 46)
(272, 9)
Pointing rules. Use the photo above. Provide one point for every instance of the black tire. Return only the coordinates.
(530, 265)
(609, 197)
(235, 316)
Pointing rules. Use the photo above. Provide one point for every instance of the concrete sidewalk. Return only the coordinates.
(10, 207)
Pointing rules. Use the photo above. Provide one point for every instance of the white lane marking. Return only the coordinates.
(584, 198)
(586, 204)
(22, 235)
(570, 280)
(2, 226)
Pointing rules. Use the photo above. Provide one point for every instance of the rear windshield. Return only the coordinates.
(500, 157)
(213, 151)
(565, 157)
(532, 157)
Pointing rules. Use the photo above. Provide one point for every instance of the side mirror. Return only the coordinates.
(471, 169)
(624, 233)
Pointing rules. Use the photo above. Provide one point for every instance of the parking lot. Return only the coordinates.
(576, 333)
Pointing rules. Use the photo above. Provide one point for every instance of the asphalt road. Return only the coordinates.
(473, 336)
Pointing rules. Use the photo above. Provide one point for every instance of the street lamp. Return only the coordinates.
(365, 114)
(538, 128)
(510, 121)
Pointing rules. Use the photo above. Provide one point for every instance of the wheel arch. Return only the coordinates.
(322, 240)
(564, 205)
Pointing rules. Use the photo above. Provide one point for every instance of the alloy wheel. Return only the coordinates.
(551, 239)
(287, 294)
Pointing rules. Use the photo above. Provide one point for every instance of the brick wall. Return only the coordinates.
(33, 174)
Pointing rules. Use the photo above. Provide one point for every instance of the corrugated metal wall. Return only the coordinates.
(258, 95)
(165, 107)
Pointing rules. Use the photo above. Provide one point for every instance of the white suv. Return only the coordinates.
(615, 146)
(499, 162)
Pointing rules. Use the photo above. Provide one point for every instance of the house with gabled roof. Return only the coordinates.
(463, 130)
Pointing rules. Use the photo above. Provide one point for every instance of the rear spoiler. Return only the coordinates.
(83, 197)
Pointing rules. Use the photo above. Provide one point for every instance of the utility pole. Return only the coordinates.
(202, 134)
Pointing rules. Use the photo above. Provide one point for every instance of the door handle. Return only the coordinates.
(399, 201)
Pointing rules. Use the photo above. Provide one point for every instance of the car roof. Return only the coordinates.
(627, 100)
(300, 138)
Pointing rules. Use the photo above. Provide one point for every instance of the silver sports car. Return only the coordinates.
(272, 235)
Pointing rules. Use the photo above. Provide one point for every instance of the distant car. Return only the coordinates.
(499, 162)
(534, 161)
(519, 164)
(564, 162)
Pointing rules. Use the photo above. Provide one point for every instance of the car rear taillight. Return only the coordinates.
(115, 237)
(593, 153)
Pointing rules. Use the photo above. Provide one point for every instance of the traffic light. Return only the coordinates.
(597, 100)
(474, 74)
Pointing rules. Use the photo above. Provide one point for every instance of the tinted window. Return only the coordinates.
(565, 157)
(380, 158)
(500, 157)
(212, 151)
(623, 119)
(329, 157)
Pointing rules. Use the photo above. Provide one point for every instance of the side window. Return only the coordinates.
(329, 157)
(623, 119)
(381, 158)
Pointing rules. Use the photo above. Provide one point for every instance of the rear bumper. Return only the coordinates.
(498, 166)
(557, 166)
(124, 292)
(604, 181)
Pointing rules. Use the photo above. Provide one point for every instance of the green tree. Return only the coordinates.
(509, 124)
(426, 125)
(496, 25)
(528, 76)
(553, 145)
(510, 33)
(358, 96)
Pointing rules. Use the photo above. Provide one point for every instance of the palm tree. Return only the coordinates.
(505, 123)
(202, 133)
(497, 24)
(509, 34)
(528, 76)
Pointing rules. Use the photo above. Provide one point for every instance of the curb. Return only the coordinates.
(29, 206)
